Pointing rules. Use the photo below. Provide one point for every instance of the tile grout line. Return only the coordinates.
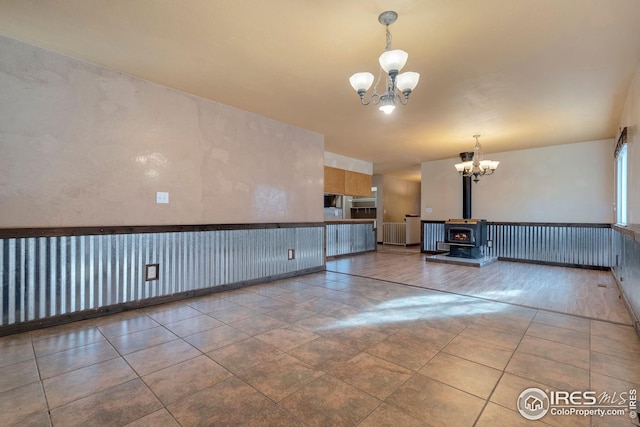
(44, 394)
(486, 403)
(42, 381)
(139, 377)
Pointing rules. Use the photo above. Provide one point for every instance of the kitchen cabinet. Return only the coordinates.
(340, 181)
(334, 180)
(357, 184)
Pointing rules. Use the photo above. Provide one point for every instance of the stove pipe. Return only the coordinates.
(466, 187)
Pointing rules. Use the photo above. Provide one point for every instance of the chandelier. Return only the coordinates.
(473, 165)
(397, 87)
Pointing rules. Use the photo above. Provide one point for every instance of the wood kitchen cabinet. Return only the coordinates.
(340, 181)
(357, 184)
(334, 180)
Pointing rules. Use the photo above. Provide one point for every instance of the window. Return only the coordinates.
(621, 186)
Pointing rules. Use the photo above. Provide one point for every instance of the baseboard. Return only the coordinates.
(625, 301)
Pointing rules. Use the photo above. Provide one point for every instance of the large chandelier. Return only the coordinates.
(473, 165)
(398, 87)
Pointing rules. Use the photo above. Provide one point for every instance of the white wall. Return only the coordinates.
(562, 183)
(631, 119)
(82, 145)
(339, 161)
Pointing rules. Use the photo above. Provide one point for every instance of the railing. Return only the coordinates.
(350, 237)
(587, 245)
(66, 271)
(394, 233)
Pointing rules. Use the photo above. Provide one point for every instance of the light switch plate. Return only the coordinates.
(162, 197)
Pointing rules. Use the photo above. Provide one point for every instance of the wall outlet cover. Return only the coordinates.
(152, 272)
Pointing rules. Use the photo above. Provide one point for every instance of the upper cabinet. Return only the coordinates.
(357, 184)
(340, 181)
(334, 180)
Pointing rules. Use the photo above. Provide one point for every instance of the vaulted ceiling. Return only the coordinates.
(521, 73)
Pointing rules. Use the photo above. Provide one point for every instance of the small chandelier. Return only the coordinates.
(473, 165)
(398, 87)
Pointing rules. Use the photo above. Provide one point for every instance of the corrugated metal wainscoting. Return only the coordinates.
(432, 233)
(626, 268)
(587, 245)
(345, 238)
(43, 277)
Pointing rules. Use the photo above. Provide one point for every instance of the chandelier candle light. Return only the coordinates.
(398, 87)
(474, 165)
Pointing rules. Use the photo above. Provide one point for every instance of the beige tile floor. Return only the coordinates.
(326, 349)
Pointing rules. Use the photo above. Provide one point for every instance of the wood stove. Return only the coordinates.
(465, 237)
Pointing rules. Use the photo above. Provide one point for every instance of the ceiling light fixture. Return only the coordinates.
(473, 164)
(398, 87)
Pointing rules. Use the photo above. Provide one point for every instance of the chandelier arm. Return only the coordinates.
(403, 98)
(375, 87)
(374, 99)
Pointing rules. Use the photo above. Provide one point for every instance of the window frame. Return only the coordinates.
(621, 183)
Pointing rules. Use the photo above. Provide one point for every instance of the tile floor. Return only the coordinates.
(326, 349)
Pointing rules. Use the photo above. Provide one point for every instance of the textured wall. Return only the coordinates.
(83, 145)
(562, 183)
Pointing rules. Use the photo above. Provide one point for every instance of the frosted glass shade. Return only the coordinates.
(387, 108)
(460, 167)
(361, 81)
(407, 81)
(494, 165)
(393, 60)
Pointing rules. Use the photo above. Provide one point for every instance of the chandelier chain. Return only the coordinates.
(388, 46)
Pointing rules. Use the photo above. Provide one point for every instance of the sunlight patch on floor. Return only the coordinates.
(409, 309)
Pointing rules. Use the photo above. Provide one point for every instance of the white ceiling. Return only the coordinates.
(523, 73)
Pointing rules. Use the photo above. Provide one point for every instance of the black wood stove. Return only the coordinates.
(465, 237)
